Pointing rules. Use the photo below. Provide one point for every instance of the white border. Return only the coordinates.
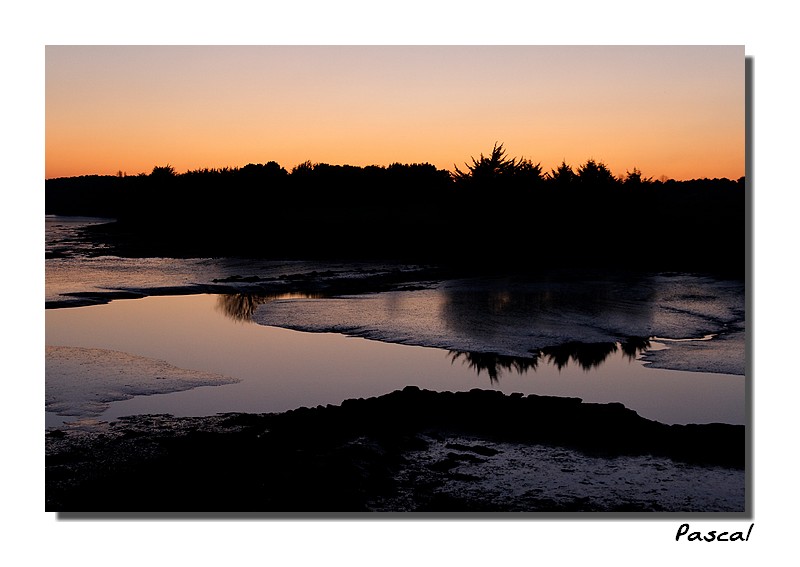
(32, 535)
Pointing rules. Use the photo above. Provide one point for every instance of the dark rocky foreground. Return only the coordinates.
(366, 455)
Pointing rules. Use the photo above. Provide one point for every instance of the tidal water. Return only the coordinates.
(669, 346)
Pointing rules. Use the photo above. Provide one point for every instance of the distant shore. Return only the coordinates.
(416, 214)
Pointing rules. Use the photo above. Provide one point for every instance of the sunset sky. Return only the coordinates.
(675, 111)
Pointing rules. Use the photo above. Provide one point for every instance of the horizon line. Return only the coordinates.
(545, 171)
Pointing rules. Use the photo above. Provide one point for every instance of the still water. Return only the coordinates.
(288, 350)
(282, 369)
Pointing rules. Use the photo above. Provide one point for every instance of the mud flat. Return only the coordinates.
(411, 450)
(84, 381)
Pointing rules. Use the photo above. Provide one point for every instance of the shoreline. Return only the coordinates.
(373, 455)
(337, 287)
(412, 450)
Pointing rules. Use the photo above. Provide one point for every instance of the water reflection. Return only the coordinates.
(282, 370)
(241, 306)
(495, 364)
(585, 355)
(634, 346)
(497, 307)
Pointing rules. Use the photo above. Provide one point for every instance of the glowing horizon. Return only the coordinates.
(672, 111)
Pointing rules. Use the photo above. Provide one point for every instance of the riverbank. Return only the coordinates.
(559, 335)
(409, 451)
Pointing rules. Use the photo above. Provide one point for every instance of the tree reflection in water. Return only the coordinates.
(495, 364)
(241, 306)
(634, 346)
(586, 355)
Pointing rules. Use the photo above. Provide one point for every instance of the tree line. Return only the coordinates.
(496, 210)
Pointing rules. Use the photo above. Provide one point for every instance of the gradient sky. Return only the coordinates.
(675, 111)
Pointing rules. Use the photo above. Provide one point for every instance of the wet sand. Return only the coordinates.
(84, 381)
(408, 451)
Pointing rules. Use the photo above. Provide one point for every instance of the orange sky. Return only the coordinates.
(673, 111)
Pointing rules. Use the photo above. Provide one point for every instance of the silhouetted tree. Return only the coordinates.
(163, 172)
(595, 175)
(563, 177)
(486, 168)
(304, 168)
(634, 179)
(416, 212)
(496, 174)
(527, 174)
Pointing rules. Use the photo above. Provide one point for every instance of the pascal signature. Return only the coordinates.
(712, 535)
